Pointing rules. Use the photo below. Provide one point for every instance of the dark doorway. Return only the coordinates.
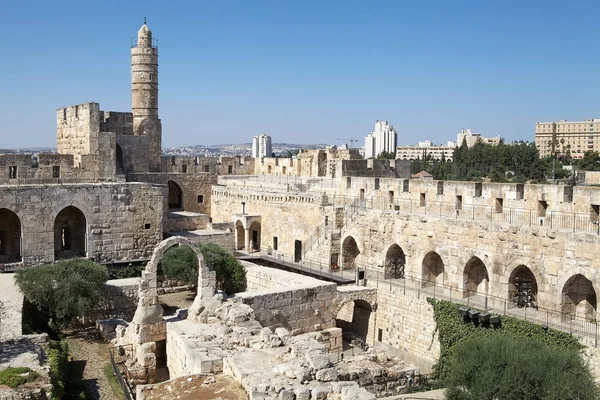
(70, 232)
(175, 199)
(10, 236)
(297, 250)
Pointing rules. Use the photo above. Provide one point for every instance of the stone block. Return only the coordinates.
(327, 375)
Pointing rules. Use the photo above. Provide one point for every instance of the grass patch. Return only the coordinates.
(14, 377)
(113, 382)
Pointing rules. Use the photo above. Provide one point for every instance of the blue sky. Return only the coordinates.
(306, 72)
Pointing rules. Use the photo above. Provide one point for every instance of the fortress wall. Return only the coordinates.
(123, 221)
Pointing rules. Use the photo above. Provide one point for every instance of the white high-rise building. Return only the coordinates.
(261, 146)
(383, 138)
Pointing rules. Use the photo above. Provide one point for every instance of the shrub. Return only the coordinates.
(14, 377)
(508, 367)
(180, 263)
(64, 290)
(58, 360)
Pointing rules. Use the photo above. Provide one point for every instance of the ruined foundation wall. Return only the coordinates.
(300, 308)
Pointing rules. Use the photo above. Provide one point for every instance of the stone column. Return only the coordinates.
(247, 240)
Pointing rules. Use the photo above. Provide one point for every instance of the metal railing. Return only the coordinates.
(417, 287)
(584, 327)
(556, 220)
(118, 356)
(65, 177)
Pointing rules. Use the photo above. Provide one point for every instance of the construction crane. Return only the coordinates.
(350, 140)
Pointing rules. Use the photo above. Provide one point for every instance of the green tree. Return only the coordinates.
(590, 161)
(64, 290)
(180, 263)
(384, 155)
(507, 367)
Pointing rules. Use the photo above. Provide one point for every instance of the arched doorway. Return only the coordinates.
(432, 269)
(70, 233)
(395, 260)
(120, 165)
(522, 287)
(353, 318)
(475, 278)
(240, 236)
(175, 196)
(254, 232)
(579, 298)
(349, 253)
(10, 237)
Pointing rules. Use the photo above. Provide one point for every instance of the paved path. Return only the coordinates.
(92, 355)
(11, 305)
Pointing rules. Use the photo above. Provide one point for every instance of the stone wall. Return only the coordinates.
(222, 238)
(119, 300)
(122, 221)
(192, 187)
(302, 305)
(77, 128)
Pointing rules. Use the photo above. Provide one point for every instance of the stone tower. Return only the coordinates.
(144, 95)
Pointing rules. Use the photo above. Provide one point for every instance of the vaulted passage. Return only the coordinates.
(522, 287)
(349, 253)
(395, 260)
(579, 298)
(432, 269)
(475, 278)
(353, 318)
(10, 237)
(175, 196)
(70, 231)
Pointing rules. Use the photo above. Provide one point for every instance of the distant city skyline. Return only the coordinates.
(307, 72)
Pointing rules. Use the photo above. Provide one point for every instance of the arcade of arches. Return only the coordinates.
(10, 237)
(248, 233)
(70, 232)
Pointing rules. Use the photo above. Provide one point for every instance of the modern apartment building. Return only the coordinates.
(261, 146)
(472, 138)
(383, 138)
(562, 136)
(426, 147)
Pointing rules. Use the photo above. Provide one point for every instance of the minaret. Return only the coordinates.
(144, 95)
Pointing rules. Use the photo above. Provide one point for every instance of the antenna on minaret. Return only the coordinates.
(144, 20)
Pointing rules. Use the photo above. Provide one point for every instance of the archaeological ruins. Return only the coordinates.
(359, 246)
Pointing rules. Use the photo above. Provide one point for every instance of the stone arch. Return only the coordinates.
(353, 316)
(254, 231)
(522, 287)
(395, 262)
(350, 251)
(10, 236)
(432, 269)
(175, 198)
(579, 298)
(149, 310)
(239, 235)
(475, 278)
(70, 233)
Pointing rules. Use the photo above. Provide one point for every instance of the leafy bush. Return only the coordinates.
(129, 271)
(14, 377)
(510, 367)
(231, 276)
(452, 330)
(64, 290)
(180, 263)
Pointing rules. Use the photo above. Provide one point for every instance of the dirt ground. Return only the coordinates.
(172, 301)
(198, 387)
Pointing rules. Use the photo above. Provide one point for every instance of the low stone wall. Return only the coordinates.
(224, 239)
(298, 303)
(119, 300)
